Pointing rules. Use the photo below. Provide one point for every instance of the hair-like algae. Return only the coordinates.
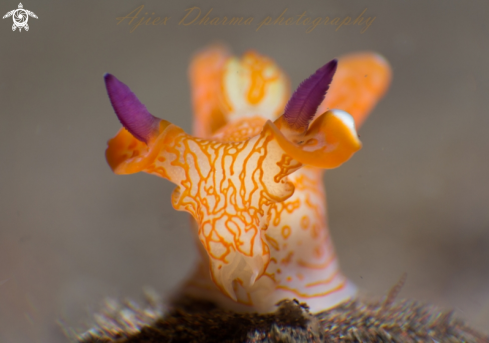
(358, 320)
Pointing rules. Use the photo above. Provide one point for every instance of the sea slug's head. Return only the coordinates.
(228, 182)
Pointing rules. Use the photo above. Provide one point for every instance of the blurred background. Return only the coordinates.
(414, 199)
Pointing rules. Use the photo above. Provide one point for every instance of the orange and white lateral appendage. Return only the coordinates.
(253, 186)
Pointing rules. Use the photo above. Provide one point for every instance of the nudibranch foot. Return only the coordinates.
(265, 294)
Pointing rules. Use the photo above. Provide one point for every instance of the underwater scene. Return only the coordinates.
(319, 172)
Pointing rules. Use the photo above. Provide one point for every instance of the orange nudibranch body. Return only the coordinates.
(251, 177)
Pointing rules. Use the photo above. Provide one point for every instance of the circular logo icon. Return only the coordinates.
(20, 17)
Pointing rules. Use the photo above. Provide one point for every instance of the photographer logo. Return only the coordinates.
(20, 17)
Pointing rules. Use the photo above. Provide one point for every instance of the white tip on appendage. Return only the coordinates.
(346, 118)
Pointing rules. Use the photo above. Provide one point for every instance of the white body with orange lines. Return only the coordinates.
(251, 177)
(303, 264)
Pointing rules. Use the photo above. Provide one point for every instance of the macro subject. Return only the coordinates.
(251, 172)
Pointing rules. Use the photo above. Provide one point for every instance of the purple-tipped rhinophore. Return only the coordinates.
(132, 114)
(303, 104)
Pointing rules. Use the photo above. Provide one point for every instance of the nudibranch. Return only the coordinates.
(251, 175)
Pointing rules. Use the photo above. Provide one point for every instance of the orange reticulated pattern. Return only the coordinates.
(229, 186)
(226, 88)
(253, 86)
(302, 263)
(264, 240)
(311, 271)
(228, 189)
(240, 129)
